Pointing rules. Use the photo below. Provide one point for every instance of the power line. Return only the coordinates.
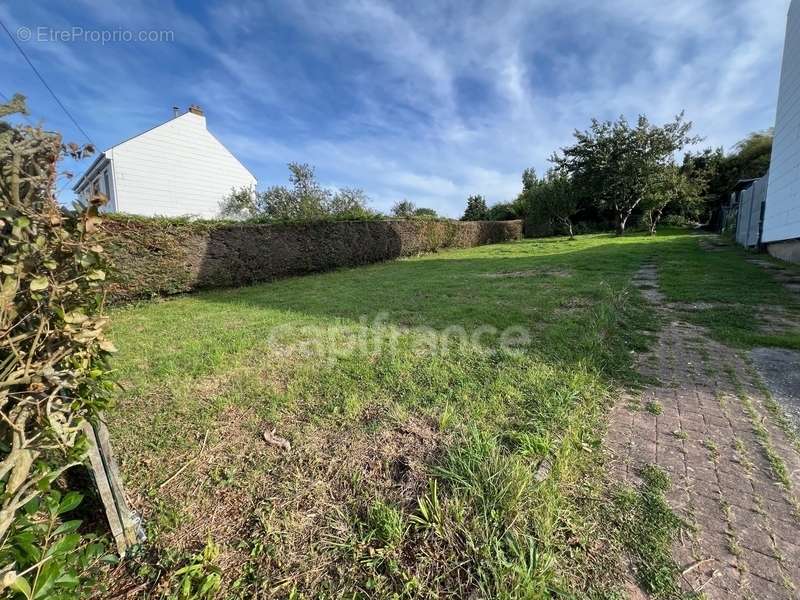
(24, 116)
(44, 83)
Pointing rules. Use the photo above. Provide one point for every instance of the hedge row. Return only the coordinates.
(158, 257)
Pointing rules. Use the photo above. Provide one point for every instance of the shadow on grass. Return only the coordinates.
(569, 295)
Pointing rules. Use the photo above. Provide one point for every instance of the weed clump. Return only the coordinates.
(647, 529)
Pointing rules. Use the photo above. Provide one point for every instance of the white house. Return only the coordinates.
(781, 230)
(174, 169)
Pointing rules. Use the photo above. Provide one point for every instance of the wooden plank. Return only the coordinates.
(124, 527)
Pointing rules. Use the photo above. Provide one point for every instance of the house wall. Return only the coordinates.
(175, 169)
(782, 213)
(101, 180)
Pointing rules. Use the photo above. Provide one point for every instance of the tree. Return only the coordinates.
(476, 209)
(503, 211)
(240, 203)
(669, 185)
(350, 203)
(752, 155)
(305, 200)
(718, 173)
(529, 179)
(558, 199)
(404, 209)
(614, 162)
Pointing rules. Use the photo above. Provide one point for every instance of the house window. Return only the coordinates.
(110, 205)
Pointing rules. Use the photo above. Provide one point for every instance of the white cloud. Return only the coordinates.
(429, 101)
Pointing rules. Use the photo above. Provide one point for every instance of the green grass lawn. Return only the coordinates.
(443, 411)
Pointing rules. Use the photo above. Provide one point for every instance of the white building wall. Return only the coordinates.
(175, 169)
(782, 212)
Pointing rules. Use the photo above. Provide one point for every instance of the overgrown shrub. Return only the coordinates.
(168, 256)
(53, 373)
(405, 209)
(304, 201)
(503, 211)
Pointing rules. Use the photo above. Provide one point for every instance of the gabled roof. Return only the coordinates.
(141, 133)
(96, 165)
(743, 184)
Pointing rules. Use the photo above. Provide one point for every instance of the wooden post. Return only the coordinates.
(124, 524)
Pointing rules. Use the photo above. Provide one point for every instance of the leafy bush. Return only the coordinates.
(425, 213)
(405, 209)
(53, 373)
(152, 254)
(52, 559)
(551, 203)
(503, 211)
(200, 579)
(305, 200)
(678, 221)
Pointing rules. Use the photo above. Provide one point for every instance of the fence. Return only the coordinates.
(749, 212)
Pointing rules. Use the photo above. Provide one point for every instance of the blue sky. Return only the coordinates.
(429, 101)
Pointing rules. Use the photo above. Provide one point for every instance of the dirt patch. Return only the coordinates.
(244, 493)
(576, 303)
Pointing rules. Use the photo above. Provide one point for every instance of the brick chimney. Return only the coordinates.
(196, 110)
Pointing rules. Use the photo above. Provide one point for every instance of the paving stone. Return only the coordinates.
(755, 538)
(724, 579)
(734, 485)
(706, 409)
(782, 515)
(765, 589)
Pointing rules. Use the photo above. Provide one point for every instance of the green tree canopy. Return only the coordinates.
(404, 209)
(669, 186)
(476, 209)
(304, 200)
(502, 211)
(614, 162)
(716, 173)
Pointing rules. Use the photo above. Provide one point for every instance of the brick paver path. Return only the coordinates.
(735, 469)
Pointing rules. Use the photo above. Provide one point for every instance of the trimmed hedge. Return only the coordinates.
(157, 256)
